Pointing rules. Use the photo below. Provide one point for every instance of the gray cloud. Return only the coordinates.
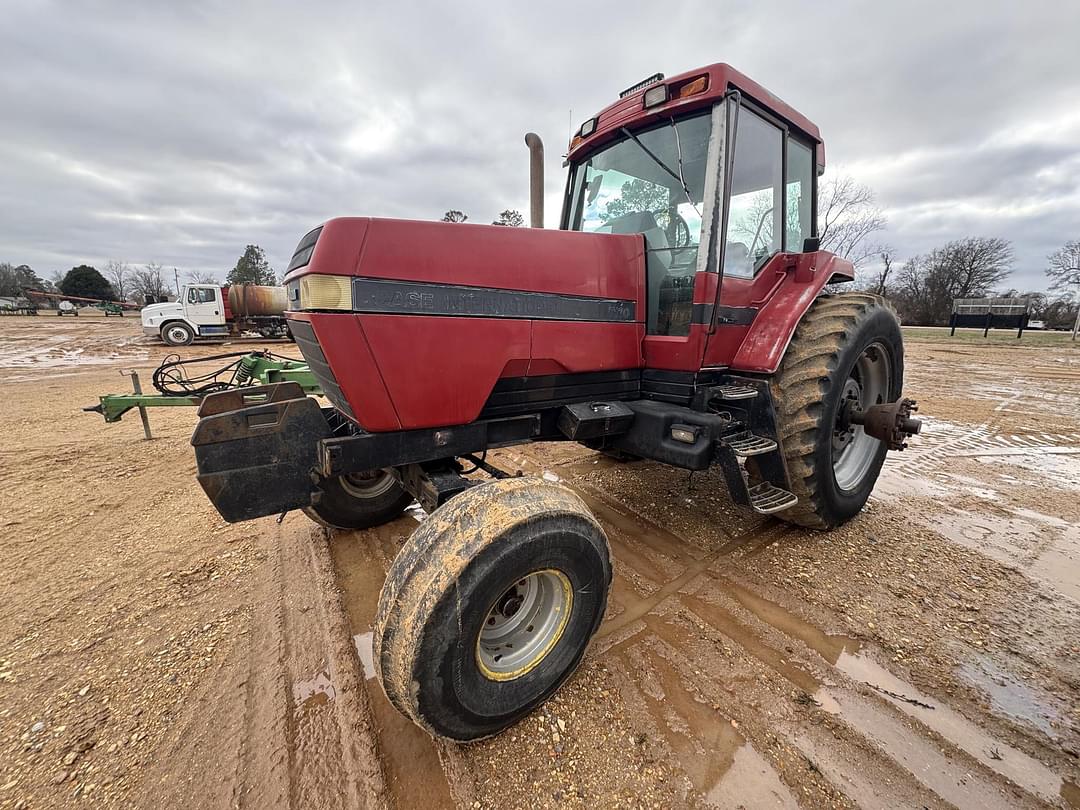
(179, 132)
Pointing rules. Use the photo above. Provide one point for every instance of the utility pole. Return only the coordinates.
(1076, 324)
(176, 278)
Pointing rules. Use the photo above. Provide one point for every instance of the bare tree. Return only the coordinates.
(147, 282)
(876, 280)
(847, 217)
(117, 273)
(1063, 266)
(965, 268)
(200, 277)
(453, 215)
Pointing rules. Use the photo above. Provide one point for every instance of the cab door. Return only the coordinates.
(203, 307)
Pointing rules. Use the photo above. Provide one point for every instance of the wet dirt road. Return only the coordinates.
(925, 655)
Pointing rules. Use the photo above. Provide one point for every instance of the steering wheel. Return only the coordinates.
(675, 228)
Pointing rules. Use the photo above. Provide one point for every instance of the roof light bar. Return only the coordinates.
(657, 77)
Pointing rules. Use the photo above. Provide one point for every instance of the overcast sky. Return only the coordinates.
(178, 132)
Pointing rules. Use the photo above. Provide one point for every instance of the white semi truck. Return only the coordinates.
(207, 311)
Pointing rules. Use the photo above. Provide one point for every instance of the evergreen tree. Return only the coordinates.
(86, 282)
(252, 268)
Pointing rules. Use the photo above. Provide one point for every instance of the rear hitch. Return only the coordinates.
(891, 423)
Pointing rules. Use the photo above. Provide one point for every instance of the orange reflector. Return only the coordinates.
(698, 85)
(577, 139)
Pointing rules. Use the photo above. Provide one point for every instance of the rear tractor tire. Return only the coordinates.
(847, 346)
(358, 500)
(490, 605)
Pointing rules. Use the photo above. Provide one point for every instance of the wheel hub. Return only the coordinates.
(524, 625)
(868, 384)
(367, 484)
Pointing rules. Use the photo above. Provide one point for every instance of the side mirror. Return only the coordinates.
(812, 244)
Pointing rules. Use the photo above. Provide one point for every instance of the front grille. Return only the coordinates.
(309, 346)
(302, 255)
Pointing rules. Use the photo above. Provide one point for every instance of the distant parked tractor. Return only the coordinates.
(678, 315)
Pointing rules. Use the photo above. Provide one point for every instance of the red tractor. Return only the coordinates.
(677, 315)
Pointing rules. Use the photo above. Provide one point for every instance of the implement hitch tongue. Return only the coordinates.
(891, 423)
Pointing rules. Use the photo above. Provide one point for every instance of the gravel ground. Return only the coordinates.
(925, 655)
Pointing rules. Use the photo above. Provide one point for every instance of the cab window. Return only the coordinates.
(799, 190)
(755, 220)
(201, 295)
(652, 184)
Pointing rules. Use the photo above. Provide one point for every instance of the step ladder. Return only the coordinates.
(733, 392)
(746, 444)
(767, 499)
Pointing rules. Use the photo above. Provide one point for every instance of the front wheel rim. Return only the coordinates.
(178, 335)
(524, 624)
(367, 484)
(867, 384)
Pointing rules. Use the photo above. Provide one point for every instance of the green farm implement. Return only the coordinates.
(185, 383)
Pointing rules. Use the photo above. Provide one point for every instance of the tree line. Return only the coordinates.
(119, 281)
(922, 287)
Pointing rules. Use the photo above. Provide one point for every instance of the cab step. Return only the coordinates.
(733, 392)
(766, 498)
(747, 444)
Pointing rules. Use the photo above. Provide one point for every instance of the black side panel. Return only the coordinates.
(259, 460)
(678, 387)
(516, 395)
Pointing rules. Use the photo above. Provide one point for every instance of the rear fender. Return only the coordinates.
(767, 340)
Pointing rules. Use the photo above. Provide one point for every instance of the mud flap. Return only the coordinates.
(256, 452)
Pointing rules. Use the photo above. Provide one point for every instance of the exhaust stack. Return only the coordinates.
(536, 179)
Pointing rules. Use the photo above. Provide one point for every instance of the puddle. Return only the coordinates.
(1059, 466)
(364, 643)
(751, 775)
(1044, 547)
(318, 691)
(1010, 762)
(409, 756)
(1010, 696)
(724, 768)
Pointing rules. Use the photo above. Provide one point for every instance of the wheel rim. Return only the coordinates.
(178, 335)
(367, 484)
(853, 452)
(524, 625)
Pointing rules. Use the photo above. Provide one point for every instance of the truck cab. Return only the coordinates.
(200, 311)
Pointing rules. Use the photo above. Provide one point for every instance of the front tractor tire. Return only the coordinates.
(847, 347)
(358, 500)
(177, 333)
(490, 605)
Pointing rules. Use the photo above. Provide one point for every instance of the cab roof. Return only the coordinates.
(721, 77)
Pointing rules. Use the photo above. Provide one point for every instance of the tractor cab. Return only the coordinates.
(722, 189)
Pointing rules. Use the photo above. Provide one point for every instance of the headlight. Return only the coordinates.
(323, 292)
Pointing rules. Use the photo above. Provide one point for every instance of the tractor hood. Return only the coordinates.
(411, 324)
(434, 260)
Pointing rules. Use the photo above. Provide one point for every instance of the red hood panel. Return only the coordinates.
(532, 259)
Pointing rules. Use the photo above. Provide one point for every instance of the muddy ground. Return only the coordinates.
(926, 655)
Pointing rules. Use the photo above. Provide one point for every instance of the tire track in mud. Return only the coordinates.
(418, 770)
(894, 730)
(748, 698)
